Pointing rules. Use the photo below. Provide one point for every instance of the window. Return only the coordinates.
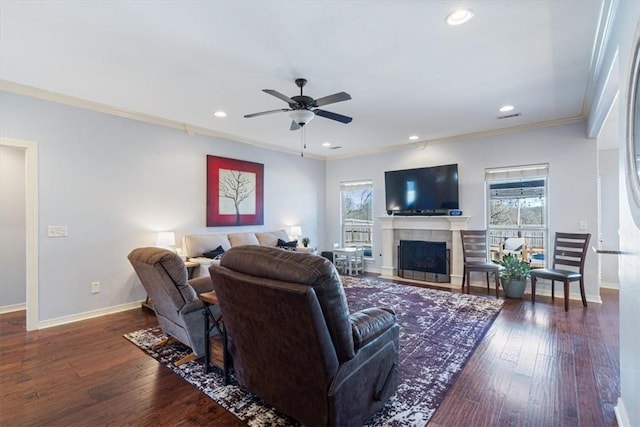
(356, 210)
(517, 212)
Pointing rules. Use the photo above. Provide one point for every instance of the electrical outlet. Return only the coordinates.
(95, 287)
(583, 225)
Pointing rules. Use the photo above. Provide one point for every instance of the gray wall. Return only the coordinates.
(572, 159)
(12, 227)
(116, 182)
(609, 213)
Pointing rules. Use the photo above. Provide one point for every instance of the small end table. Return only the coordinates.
(307, 250)
(210, 299)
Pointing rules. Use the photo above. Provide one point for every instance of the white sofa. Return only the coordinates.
(194, 245)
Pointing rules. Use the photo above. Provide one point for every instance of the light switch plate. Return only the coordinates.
(57, 231)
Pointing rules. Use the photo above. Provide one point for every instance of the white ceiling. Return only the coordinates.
(409, 73)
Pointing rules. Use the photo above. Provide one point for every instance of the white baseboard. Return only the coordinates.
(572, 296)
(622, 417)
(610, 285)
(88, 315)
(13, 307)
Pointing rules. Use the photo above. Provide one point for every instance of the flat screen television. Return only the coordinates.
(422, 191)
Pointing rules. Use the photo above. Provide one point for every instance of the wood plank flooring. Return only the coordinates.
(537, 366)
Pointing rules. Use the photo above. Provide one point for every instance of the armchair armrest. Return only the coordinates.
(368, 324)
(202, 284)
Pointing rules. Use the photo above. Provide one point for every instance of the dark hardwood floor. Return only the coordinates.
(537, 366)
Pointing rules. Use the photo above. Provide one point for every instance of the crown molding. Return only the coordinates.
(598, 52)
(34, 92)
(190, 129)
(422, 144)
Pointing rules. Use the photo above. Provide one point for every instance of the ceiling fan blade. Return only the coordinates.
(294, 126)
(277, 94)
(333, 116)
(248, 116)
(336, 97)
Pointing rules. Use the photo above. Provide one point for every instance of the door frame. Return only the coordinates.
(31, 208)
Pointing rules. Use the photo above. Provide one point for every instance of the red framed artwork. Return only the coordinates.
(234, 192)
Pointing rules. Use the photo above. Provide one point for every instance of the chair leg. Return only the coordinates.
(584, 297)
(495, 277)
(553, 289)
(533, 289)
(464, 276)
(166, 341)
(566, 295)
(468, 281)
(188, 358)
(488, 288)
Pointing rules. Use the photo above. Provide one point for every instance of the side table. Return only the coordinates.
(307, 250)
(210, 299)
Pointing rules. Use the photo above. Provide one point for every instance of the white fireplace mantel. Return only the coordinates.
(390, 224)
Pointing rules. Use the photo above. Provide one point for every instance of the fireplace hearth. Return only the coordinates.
(422, 260)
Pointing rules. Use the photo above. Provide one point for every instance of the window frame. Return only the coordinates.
(357, 228)
(497, 232)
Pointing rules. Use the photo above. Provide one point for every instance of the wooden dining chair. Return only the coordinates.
(476, 258)
(569, 254)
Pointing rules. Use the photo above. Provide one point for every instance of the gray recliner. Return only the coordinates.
(175, 299)
(294, 343)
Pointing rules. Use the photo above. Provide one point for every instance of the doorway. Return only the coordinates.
(31, 226)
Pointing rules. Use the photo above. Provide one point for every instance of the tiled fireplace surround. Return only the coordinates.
(427, 228)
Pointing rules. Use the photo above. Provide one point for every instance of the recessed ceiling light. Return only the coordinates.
(413, 137)
(506, 108)
(326, 144)
(459, 16)
(220, 114)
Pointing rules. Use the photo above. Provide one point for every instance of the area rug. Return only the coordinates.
(439, 331)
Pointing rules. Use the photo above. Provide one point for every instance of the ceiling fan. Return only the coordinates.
(302, 109)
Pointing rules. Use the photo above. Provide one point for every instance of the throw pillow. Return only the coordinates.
(214, 254)
(289, 246)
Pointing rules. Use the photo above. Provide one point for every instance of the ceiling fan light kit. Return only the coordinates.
(301, 117)
(302, 109)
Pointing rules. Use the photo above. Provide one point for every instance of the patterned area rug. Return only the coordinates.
(438, 333)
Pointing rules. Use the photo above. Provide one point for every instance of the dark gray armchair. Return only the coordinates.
(294, 343)
(175, 300)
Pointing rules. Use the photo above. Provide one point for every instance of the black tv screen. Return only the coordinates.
(422, 191)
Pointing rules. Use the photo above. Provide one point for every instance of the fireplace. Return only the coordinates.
(422, 260)
(432, 229)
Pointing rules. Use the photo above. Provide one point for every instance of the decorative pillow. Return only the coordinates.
(214, 254)
(289, 246)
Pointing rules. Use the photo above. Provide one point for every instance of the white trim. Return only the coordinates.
(12, 308)
(606, 100)
(493, 132)
(121, 112)
(90, 314)
(622, 416)
(605, 22)
(610, 285)
(197, 130)
(31, 202)
(560, 293)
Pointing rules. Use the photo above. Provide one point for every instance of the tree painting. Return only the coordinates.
(237, 193)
